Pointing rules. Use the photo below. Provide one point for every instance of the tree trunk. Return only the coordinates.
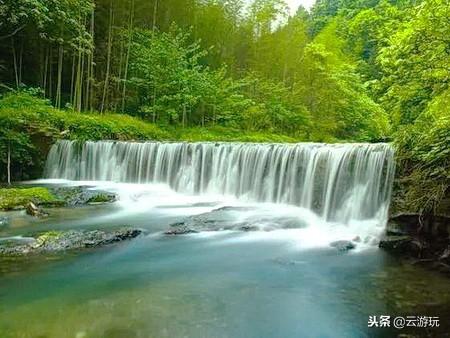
(20, 62)
(44, 81)
(127, 58)
(154, 104)
(88, 81)
(60, 66)
(15, 63)
(41, 65)
(9, 163)
(50, 72)
(91, 65)
(108, 58)
(155, 11)
(77, 89)
(80, 97)
(72, 83)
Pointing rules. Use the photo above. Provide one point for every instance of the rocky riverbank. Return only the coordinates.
(420, 240)
(34, 199)
(60, 241)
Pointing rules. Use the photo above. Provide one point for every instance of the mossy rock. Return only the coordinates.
(61, 241)
(18, 198)
(47, 237)
(82, 195)
(102, 198)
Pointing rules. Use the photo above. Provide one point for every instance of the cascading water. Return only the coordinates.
(338, 182)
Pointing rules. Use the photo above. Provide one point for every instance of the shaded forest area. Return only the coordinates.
(363, 70)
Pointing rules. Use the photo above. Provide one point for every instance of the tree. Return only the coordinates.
(333, 93)
(17, 148)
(415, 63)
(265, 13)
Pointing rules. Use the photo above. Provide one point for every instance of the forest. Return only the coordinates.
(344, 70)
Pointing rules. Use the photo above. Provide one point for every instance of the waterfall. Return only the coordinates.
(339, 182)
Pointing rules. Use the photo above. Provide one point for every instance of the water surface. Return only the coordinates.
(280, 283)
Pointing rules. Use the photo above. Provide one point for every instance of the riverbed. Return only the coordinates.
(272, 282)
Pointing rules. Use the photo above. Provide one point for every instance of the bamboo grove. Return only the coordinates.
(325, 74)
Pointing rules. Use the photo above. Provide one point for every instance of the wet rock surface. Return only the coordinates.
(343, 245)
(233, 218)
(396, 243)
(58, 241)
(82, 195)
(35, 211)
(421, 240)
(4, 221)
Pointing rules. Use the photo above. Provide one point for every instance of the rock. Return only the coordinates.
(18, 198)
(35, 211)
(58, 241)
(74, 196)
(393, 229)
(219, 219)
(445, 256)
(396, 243)
(356, 239)
(343, 245)
(418, 248)
(422, 239)
(416, 224)
(32, 209)
(406, 246)
(180, 230)
(249, 228)
(234, 218)
(102, 198)
(442, 267)
(228, 208)
(374, 242)
(402, 224)
(4, 221)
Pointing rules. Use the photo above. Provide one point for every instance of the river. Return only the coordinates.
(282, 280)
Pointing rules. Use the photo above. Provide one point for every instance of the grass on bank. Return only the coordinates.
(22, 111)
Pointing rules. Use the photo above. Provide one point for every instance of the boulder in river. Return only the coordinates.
(180, 229)
(4, 221)
(234, 218)
(82, 195)
(33, 210)
(343, 245)
(59, 241)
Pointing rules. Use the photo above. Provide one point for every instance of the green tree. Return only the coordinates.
(415, 64)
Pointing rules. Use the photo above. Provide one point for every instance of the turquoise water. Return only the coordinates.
(214, 284)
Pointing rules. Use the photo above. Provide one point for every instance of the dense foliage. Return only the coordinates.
(30, 125)
(257, 70)
(365, 70)
(424, 154)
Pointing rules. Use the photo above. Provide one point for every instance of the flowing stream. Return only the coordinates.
(281, 280)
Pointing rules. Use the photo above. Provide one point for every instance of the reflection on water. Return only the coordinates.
(282, 283)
